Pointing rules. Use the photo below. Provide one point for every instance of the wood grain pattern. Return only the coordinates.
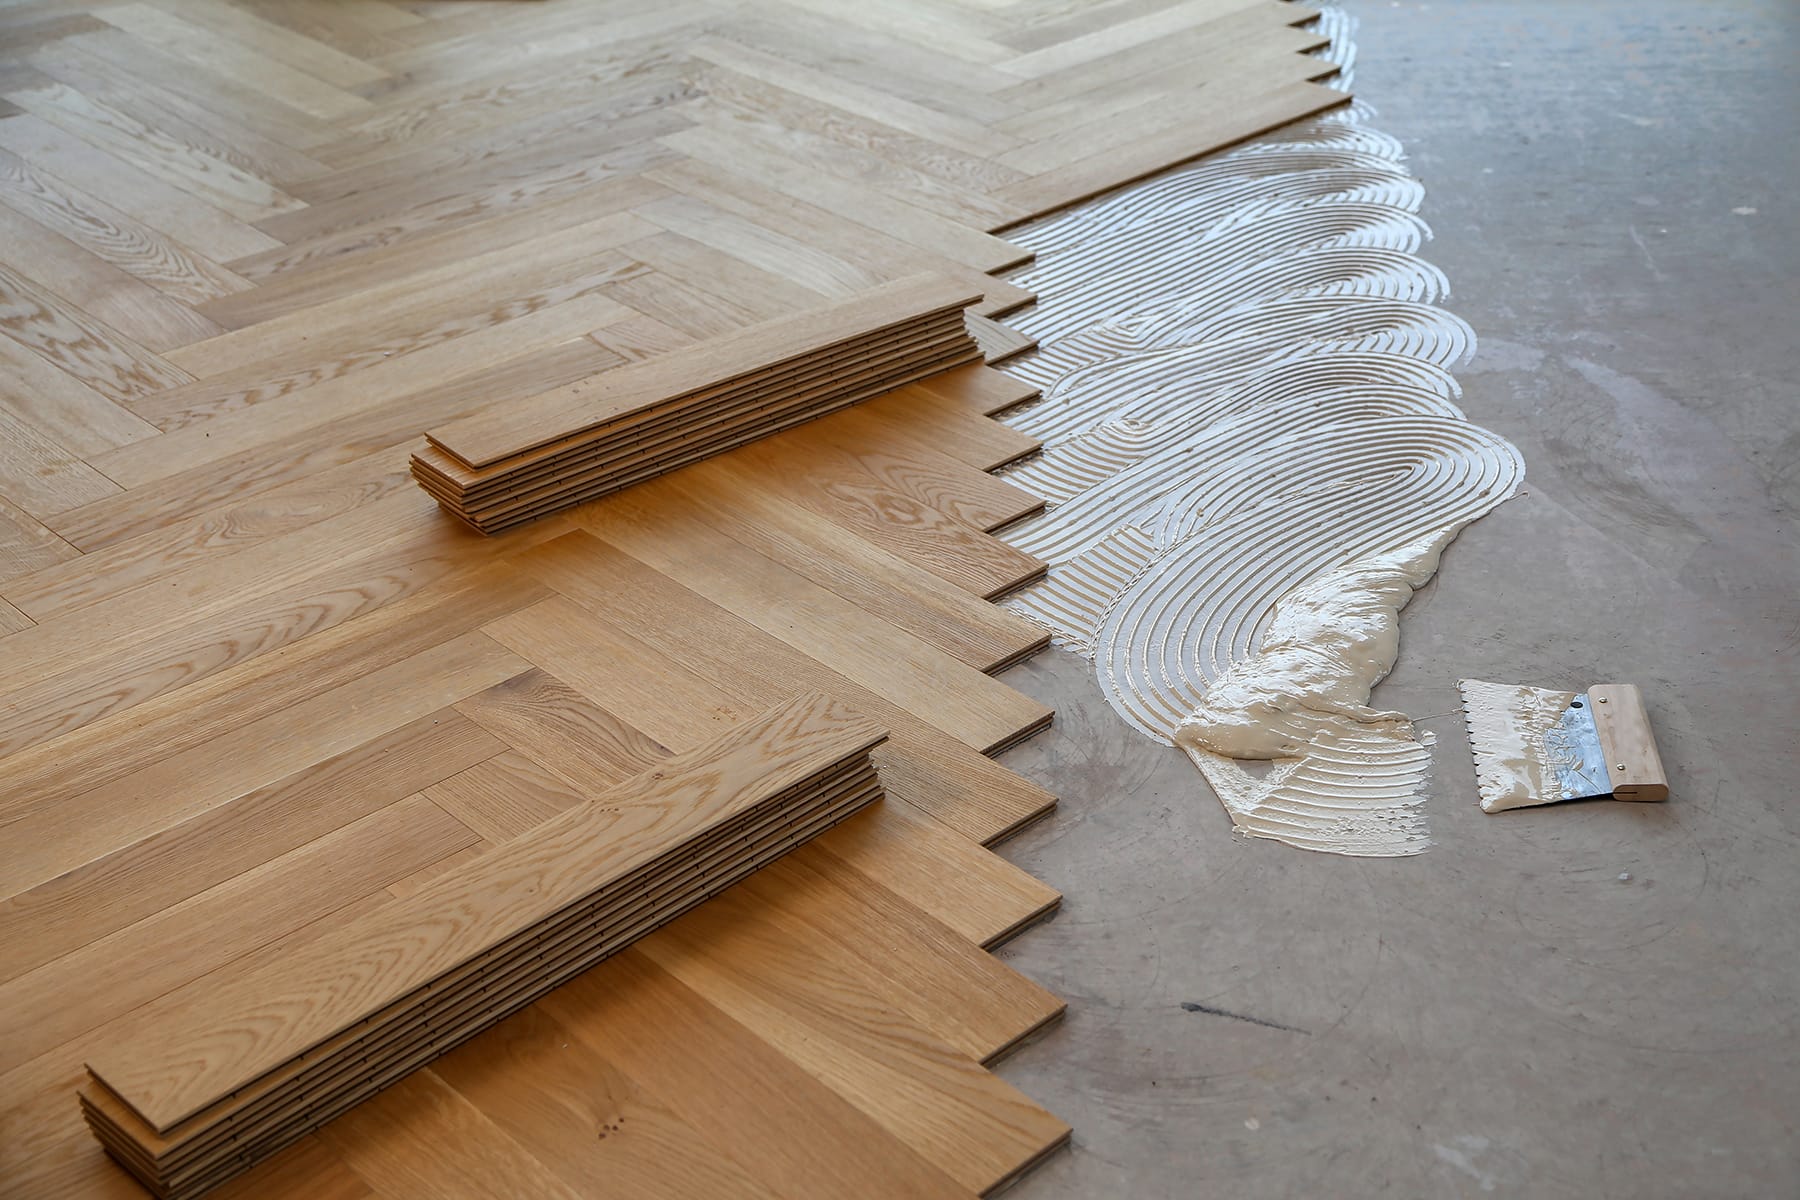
(719, 660)
(736, 1090)
(343, 980)
(182, 859)
(255, 249)
(111, 975)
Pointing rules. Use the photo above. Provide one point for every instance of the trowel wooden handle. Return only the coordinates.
(1632, 763)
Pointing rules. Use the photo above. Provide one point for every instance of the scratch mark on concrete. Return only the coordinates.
(1190, 1006)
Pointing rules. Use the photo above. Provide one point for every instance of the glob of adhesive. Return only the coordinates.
(1253, 457)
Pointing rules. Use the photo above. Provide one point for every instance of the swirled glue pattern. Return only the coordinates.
(1253, 456)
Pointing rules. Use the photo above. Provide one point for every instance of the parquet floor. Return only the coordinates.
(253, 682)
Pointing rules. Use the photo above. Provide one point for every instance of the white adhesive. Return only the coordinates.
(1253, 457)
(1507, 724)
(1331, 640)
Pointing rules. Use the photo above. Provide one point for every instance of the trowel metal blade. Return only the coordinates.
(1573, 755)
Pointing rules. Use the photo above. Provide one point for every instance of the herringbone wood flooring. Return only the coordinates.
(255, 683)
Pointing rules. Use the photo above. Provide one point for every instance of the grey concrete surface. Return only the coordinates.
(1590, 1000)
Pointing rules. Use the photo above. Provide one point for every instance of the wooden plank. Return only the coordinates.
(505, 796)
(52, 1155)
(925, 971)
(42, 477)
(521, 426)
(26, 546)
(641, 337)
(179, 543)
(799, 261)
(740, 286)
(197, 1155)
(338, 264)
(158, 70)
(751, 158)
(981, 896)
(834, 142)
(910, 462)
(968, 136)
(1096, 124)
(874, 253)
(12, 620)
(347, 211)
(940, 871)
(362, 166)
(273, 41)
(1219, 127)
(132, 246)
(175, 862)
(236, 61)
(733, 502)
(549, 722)
(55, 698)
(1119, 36)
(983, 390)
(736, 1091)
(1041, 101)
(895, 65)
(108, 977)
(664, 433)
(555, 485)
(453, 108)
(671, 299)
(836, 484)
(258, 1023)
(112, 747)
(343, 400)
(55, 152)
(590, 1124)
(533, 274)
(89, 284)
(978, 711)
(511, 178)
(49, 839)
(214, 128)
(729, 662)
(298, 448)
(1231, 55)
(100, 357)
(423, 1138)
(218, 182)
(998, 342)
(839, 1026)
(917, 412)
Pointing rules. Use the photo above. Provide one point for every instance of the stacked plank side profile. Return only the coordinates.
(270, 1055)
(524, 459)
(258, 688)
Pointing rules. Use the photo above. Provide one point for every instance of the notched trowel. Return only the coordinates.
(1536, 746)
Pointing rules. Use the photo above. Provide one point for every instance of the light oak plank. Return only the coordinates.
(133, 247)
(180, 860)
(109, 977)
(199, 43)
(146, 198)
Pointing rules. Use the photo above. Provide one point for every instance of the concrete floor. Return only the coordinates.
(1590, 1000)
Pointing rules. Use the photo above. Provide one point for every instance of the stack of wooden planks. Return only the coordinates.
(271, 1054)
(527, 458)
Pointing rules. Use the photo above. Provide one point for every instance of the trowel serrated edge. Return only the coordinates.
(1507, 723)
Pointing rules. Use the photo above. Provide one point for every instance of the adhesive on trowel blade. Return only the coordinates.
(1253, 456)
(1507, 726)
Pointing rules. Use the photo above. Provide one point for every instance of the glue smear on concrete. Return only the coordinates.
(1253, 457)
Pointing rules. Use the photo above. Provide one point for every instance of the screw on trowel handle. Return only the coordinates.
(1632, 764)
